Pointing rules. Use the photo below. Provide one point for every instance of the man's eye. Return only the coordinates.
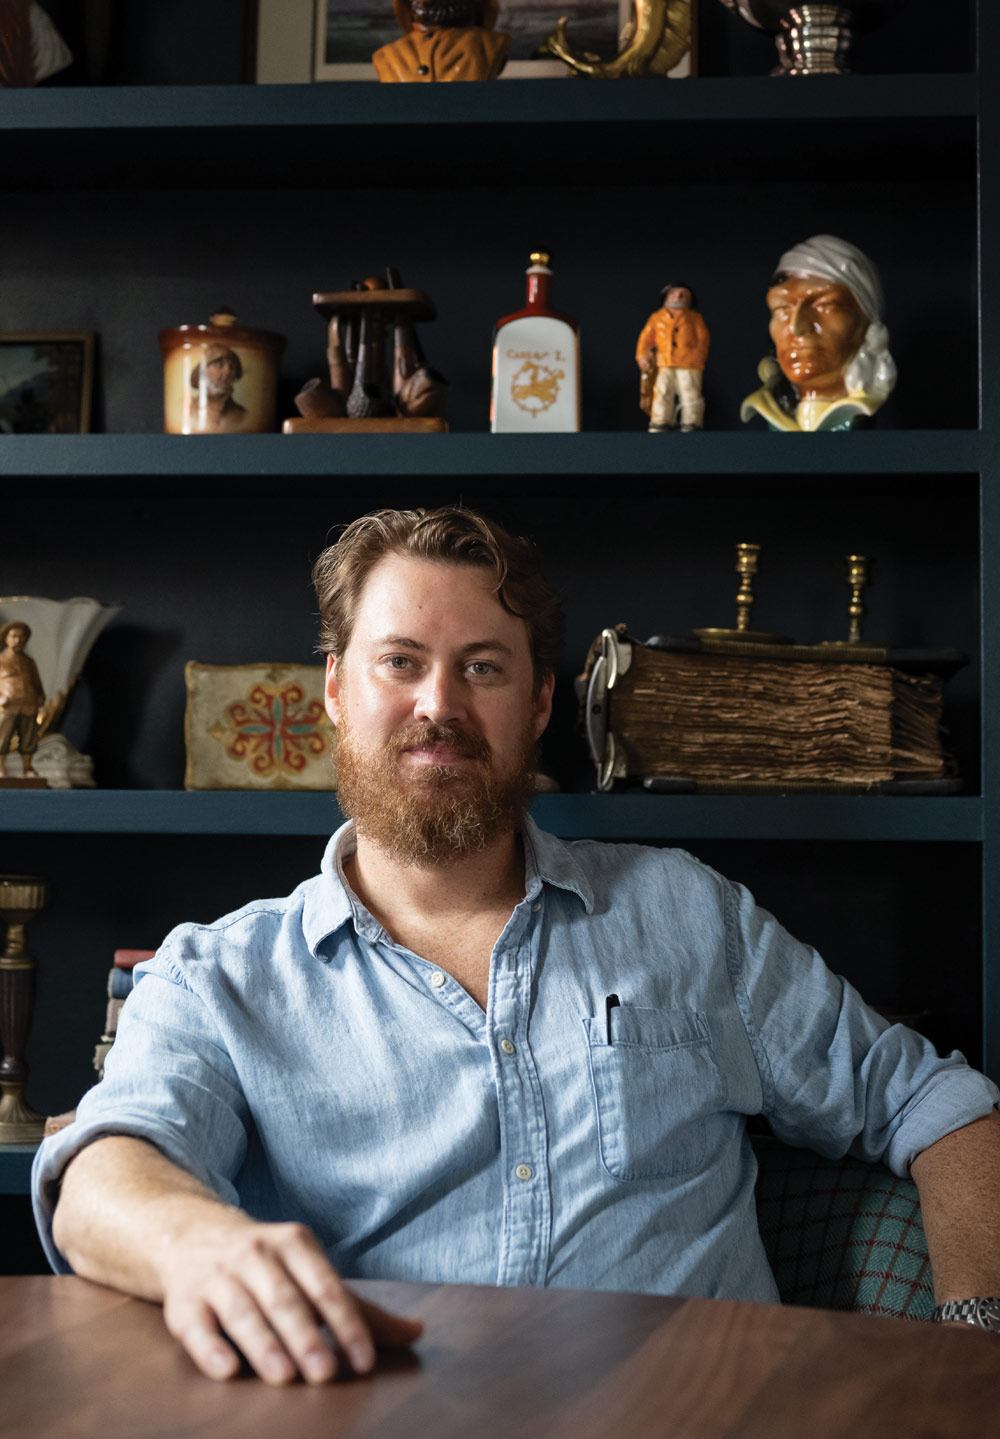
(398, 662)
(482, 667)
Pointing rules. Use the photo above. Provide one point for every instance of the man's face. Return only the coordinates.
(16, 638)
(678, 297)
(817, 327)
(220, 375)
(436, 709)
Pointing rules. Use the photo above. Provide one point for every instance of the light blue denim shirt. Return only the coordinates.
(306, 1067)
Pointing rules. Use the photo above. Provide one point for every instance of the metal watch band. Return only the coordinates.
(984, 1313)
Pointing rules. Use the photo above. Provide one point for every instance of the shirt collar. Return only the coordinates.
(329, 903)
(548, 860)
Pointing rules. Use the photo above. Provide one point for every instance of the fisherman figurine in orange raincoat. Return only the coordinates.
(671, 356)
(444, 40)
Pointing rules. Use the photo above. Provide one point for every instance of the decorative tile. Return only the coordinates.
(257, 726)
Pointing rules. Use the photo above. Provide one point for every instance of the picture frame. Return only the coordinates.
(295, 41)
(46, 382)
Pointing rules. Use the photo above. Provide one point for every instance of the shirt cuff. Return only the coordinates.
(958, 1097)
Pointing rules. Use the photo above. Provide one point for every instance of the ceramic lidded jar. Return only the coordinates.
(220, 378)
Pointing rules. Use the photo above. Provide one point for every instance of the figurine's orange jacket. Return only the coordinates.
(680, 338)
(453, 53)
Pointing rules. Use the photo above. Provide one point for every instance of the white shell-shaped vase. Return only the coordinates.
(62, 635)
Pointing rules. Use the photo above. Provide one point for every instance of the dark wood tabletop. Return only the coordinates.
(77, 1361)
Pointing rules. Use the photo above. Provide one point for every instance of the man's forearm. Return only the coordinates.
(122, 1205)
(229, 1286)
(959, 1183)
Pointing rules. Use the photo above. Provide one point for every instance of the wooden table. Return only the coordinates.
(81, 1362)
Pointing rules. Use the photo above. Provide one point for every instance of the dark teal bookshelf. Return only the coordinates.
(166, 110)
(15, 1167)
(233, 135)
(104, 174)
(556, 457)
(573, 816)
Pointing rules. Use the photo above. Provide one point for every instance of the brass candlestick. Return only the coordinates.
(857, 579)
(746, 568)
(22, 896)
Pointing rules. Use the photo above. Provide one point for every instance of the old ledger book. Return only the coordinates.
(790, 716)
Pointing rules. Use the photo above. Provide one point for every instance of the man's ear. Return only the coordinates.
(331, 689)
(543, 703)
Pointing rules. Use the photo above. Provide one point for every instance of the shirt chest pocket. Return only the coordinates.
(655, 1085)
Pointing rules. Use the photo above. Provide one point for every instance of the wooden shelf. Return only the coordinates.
(15, 1167)
(352, 133)
(632, 453)
(218, 108)
(574, 816)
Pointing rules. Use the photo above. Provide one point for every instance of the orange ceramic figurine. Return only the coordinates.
(831, 366)
(444, 40)
(671, 356)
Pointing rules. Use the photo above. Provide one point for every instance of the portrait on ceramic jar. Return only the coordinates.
(831, 366)
(220, 378)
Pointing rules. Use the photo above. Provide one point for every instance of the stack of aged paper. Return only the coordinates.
(723, 718)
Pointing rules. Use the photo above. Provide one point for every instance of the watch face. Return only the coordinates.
(988, 1314)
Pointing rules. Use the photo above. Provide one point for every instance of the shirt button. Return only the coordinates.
(423, 69)
(524, 1171)
(536, 907)
(437, 979)
(506, 1046)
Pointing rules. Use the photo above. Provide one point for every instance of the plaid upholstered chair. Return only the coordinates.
(841, 1234)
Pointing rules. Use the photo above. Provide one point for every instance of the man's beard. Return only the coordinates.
(437, 813)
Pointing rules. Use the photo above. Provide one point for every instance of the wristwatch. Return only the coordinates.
(983, 1313)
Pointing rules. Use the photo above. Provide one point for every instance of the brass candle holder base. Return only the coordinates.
(741, 637)
(22, 896)
(18, 1123)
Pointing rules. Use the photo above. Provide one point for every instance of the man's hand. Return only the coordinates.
(269, 1288)
(229, 1285)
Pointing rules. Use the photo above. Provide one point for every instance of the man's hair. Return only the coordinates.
(14, 625)
(450, 535)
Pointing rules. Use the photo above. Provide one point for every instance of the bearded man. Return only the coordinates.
(467, 1051)
(212, 407)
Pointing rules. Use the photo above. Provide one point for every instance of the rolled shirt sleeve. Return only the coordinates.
(169, 1080)
(836, 1076)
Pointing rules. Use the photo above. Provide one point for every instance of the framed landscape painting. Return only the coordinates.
(46, 382)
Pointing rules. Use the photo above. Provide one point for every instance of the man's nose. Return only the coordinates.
(440, 698)
(803, 319)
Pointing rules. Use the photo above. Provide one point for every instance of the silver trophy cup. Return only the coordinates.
(813, 39)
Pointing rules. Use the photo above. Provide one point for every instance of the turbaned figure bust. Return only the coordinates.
(831, 365)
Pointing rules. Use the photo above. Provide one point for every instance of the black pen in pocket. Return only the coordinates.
(612, 1002)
